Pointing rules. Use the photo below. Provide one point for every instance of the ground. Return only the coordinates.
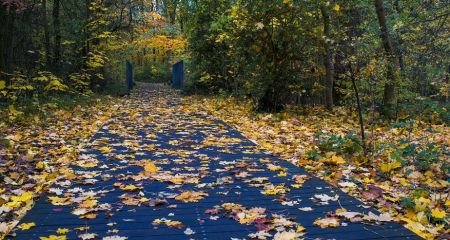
(161, 166)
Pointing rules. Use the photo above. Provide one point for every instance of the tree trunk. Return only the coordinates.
(87, 33)
(7, 34)
(57, 35)
(389, 87)
(329, 57)
(46, 34)
(400, 46)
(130, 22)
(173, 12)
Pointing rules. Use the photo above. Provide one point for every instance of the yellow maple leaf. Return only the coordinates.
(16, 201)
(438, 213)
(190, 196)
(105, 150)
(421, 204)
(82, 229)
(447, 203)
(25, 196)
(274, 190)
(53, 237)
(176, 224)
(26, 226)
(417, 228)
(88, 204)
(150, 167)
(176, 180)
(130, 188)
(89, 216)
(62, 231)
(388, 167)
(58, 201)
(300, 228)
(335, 160)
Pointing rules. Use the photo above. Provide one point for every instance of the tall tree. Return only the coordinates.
(400, 47)
(392, 75)
(46, 33)
(171, 10)
(329, 58)
(57, 35)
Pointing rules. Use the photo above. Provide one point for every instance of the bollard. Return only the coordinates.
(178, 75)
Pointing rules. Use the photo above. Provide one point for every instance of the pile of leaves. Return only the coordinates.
(405, 173)
(33, 155)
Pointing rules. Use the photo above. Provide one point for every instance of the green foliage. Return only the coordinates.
(273, 52)
(249, 48)
(314, 155)
(407, 202)
(348, 144)
(155, 72)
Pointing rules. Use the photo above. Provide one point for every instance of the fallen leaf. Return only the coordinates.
(27, 226)
(62, 231)
(87, 236)
(150, 168)
(189, 231)
(327, 222)
(438, 213)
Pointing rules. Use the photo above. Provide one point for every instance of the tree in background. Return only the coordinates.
(276, 53)
(283, 52)
(52, 48)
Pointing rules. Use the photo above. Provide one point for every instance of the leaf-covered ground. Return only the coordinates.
(406, 175)
(32, 157)
(161, 168)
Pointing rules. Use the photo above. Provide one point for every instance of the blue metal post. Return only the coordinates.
(129, 76)
(178, 75)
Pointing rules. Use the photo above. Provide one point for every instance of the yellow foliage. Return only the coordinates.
(162, 45)
(388, 167)
(335, 160)
(337, 8)
(56, 85)
(16, 201)
(421, 204)
(438, 213)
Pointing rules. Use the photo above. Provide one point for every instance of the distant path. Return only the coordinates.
(108, 192)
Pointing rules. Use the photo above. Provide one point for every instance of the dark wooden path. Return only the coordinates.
(187, 145)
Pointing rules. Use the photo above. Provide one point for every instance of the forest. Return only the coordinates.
(355, 92)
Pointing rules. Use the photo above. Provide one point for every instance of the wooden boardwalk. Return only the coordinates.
(109, 193)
